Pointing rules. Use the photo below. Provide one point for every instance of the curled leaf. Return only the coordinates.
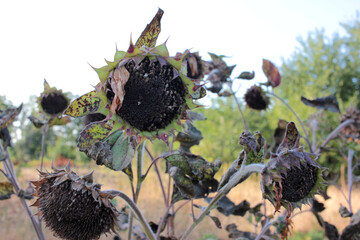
(327, 103)
(272, 73)
(151, 32)
(37, 122)
(5, 136)
(247, 75)
(8, 116)
(120, 77)
(83, 105)
(291, 139)
(217, 222)
(6, 189)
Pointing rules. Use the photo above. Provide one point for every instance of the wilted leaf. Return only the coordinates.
(115, 152)
(195, 115)
(317, 206)
(190, 137)
(6, 189)
(59, 121)
(344, 212)
(227, 207)
(37, 122)
(121, 76)
(92, 133)
(83, 105)
(8, 116)
(5, 136)
(151, 32)
(234, 233)
(247, 75)
(279, 134)
(216, 221)
(291, 139)
(327, 103)
(272, 73)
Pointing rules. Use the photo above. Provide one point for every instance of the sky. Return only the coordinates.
(59, 40)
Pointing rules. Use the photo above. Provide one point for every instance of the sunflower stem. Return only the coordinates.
(139, 166)
(244, 170)
(10, 174)
(306, 137)
(241, 112)
(334, 133)
(153, 162)
(44, 132)
(136, 211)
(350, 176)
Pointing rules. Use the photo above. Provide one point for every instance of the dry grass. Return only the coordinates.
(15, 223)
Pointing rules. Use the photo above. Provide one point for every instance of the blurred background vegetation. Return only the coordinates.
(321, 66)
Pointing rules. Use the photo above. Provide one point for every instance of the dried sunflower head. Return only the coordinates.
(144, 91)
(256, 98)
(292, 176)
(74, 207)
(352, 131)
(52, 102)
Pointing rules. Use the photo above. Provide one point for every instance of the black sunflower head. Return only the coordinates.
(52, 101)
(154, 95)
(256, 98)
(74, 207)
(292, 176)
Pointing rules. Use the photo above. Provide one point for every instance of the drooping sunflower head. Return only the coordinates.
(256, 98)
(292, 176)
(143, 91)
(74, 207)
(52, 101)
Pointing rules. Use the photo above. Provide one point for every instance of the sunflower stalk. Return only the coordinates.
(44, 133)
(10, 174)
(350, 176)
(140, 179)
(136, 211)
(239, 108)
(244, 170)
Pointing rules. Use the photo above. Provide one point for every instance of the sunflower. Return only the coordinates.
(292, 176)
(74, 207)
(52, 102)
(256, 98)
(144, 91)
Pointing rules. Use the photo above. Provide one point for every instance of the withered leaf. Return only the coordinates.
(272, 73)
(5, 136)
(327, 103)
(151, 32)
(83, 105)
(344, 212)
(92, 133)
(227, 207)
(6, 189)
(247, 75)
(291, 139)
(217, 222)
(8, 116)
(36, 122)
(121, 76)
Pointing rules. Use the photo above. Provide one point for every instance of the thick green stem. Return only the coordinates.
(306, 136)
(139, 166)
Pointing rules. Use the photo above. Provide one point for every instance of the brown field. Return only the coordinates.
(15, 223)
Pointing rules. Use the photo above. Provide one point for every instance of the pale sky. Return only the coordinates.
(57, 40)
